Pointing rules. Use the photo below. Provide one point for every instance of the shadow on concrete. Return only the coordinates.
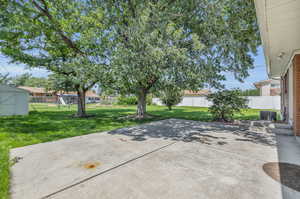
(285, 173)
(286, 170)
(257, 137)
(194, 131)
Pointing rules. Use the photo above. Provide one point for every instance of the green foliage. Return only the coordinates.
(4, 168)
(5, 79)
(27, 80)
(171, 96)
(21, 80)
(152, 50)
(188, 43)
(132, 100)
(251, 92)
(60, 83)
(226, 103)
(143, 44)
(129, 100)
(66, 37)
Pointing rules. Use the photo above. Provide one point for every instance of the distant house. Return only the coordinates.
(199, 93)
(41, 95)
(71, 97)
(268, 87)
(36, 92)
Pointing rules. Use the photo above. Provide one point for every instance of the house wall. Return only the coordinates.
(291, 95)
(265, 90)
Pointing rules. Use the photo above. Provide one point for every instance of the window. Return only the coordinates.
(274, 85)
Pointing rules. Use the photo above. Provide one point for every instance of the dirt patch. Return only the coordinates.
(91, 165)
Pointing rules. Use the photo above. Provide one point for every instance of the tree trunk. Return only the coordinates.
(170, 108)
(81, 103)
(141, 107)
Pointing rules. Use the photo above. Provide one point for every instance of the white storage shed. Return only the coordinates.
(13, 101)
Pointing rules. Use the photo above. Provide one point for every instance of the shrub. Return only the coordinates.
(171, 96)
(149, 100)
(132, 100)
(129, 100)
(226, 103)
(251, 92)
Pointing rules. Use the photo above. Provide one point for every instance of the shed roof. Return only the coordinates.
(5, 88)
(266, 82)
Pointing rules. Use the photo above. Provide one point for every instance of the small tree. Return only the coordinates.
(5, 79)
(226, 103)
(69, 38)
(188, 43)
(26, 79)
(171, 96)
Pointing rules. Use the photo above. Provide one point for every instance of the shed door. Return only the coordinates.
(7, 103)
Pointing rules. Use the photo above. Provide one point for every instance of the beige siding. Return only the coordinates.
(290, 95)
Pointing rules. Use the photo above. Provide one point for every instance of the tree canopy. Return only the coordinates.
(27, 79)
(5, 79)
(186, 43)
(67, 37)
(133, 46)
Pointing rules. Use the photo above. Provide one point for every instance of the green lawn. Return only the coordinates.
(46, 123)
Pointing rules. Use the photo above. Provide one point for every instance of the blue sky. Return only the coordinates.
(257, 74)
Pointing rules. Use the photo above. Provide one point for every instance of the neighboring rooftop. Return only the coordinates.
(266, 82)
(44, 91)
(5, 88)
(202, 92)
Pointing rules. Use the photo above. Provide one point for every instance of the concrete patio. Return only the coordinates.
(166, 159)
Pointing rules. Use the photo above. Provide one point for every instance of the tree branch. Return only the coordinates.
(59, 71)
(44, 11)
(131, 6)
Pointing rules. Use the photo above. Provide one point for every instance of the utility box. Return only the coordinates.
(268, 115)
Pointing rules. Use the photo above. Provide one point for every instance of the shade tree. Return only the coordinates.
(66, 37)
(189, 44)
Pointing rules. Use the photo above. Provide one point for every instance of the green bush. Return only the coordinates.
(251, 92)
(226, 103)
(129, 100)
(171, 96)
(132, 100)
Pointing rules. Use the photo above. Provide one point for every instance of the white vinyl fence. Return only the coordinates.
(255, 102)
